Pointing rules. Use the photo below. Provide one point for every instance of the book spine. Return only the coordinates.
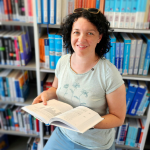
(10, 46)
(8, 89)
(117, 55)
(38, 11)
(130, 95)
(142, 58)
(58, 48)
(145, 106)
(52, 11)
(2, 51)
(11, 89)
(17, 11)
(18, 61)
(106, 10)
(58, 10)
(45, 11)
(26, 11)
(97, 4)
(9, 9)
(13, 51)
(46, 45)
(16, 120)
(136, 101)
(121, 57)
(126, 58)
(52, 51)
(6, 11)
(6, 44)
(17, 89)
(137, 56)
(132, 56)
(111, 13)
(128, 13)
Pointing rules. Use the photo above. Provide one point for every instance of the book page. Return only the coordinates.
(45, 112)
(81, 118)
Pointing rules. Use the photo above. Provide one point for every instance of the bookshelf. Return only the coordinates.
(34, 65)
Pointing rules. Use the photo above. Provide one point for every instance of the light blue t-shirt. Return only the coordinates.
(88, 89)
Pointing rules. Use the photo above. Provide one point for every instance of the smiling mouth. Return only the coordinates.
(81, 46)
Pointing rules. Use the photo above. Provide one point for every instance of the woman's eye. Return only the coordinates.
(90, 33)
(76, 32)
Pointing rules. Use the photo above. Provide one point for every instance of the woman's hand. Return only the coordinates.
(43, 97)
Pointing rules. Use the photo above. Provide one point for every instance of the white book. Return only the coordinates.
(123, 14)
(138, 53)
(132, 52)
(138, 15)
(58, 11)
(45, 11)
(64, 9)
(26, 11)
(57, 113)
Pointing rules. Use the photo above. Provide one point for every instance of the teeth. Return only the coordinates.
(82, 46)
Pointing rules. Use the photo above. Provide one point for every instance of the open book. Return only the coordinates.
(57, 113)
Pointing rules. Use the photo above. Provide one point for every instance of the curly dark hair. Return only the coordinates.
(101, 23)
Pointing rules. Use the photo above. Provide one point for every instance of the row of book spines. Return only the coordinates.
(48, 130)
(16, 10)
(51, 49)
(130, 133)
(13, 48)
(18, 120)
(52, 12)
(137, 97)
(14, 89)
(128, 14)
(121, 53)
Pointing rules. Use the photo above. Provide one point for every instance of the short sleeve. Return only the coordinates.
(113, 78)
(57, 70)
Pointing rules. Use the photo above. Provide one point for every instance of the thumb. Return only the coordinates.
(43, 97)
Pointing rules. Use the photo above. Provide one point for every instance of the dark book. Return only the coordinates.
(13, 10)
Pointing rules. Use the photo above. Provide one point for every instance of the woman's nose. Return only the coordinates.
(82, 38)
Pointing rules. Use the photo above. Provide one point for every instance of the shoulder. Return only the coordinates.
(107, 66)
(64, 60)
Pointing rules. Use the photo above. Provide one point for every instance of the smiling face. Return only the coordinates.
(84, 37)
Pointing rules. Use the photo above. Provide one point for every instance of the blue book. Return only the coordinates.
(17, 89)
(137, 98)
(30, 123)
(39, 14)
(117, 54)
(107, 8)
(46, 47)
(113, 48)
(8, 89)
(121, 54)
(132, 87)
(138, 134)
(147, 56)
(126, 57)
(97, 4)
(58, 47)
(44, 10)
(51, 37)
(52, 11)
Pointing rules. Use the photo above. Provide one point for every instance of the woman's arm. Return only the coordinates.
(117, 109)
(47, 95)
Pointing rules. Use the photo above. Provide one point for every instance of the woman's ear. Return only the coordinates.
(100, 37)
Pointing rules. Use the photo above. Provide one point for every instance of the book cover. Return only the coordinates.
(132, 53)
(147, 56)
(132, 88)
(142, 58)
(138, 53)
(52, 12)
(126, 54)
(137, 98)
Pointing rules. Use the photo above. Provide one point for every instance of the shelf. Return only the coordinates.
(142, 117)
(137, 77)
(29, 100)
(126, 147)
(47, 70)
(18, 133)
(46, 137)
(30, 66)
(131, 30)
(16, 23)
(50, 26)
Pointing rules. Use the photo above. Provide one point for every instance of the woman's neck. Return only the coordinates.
(82, 64)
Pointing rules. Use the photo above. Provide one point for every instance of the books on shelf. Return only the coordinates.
(12, 10)
(60, 114)
(15, 119)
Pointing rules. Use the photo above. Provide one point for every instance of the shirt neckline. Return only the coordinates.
(91, 70)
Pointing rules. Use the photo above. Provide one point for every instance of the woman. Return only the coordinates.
(84, 77)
